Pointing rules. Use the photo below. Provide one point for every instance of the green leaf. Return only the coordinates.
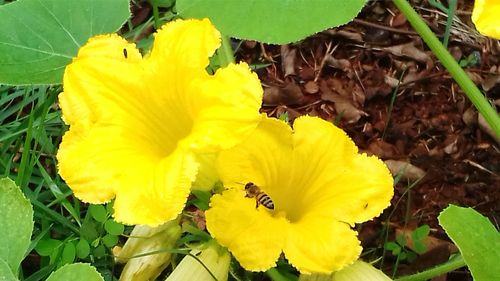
(391, 246)
(68, 253)
(5, 272)
(38, 38)
(16, 223)
(99, 252)
(110, 240)
(82, 249)
(476, 238)
(76, 272)
(98, 212)
(401, 240)
(113, 227)
(419, 247)
(47, 246)
(272, 21)
(202, 199)
(421, 232)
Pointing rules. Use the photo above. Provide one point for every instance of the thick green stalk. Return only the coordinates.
(451, 265)
(463, 80)
(225, 52)
(156, 13)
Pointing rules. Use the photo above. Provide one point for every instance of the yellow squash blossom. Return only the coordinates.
(320, 187)
(486, 17)
(136, 124)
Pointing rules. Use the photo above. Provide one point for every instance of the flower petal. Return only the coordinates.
(321, 245)
(163, 188)
(226, 107)
(260, 158)
(485, 17)
(184, 45)
(251, 235)
(340, 182)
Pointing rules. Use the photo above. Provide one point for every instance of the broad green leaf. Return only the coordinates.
(113, 227)
(5, 272)
(98, 212)
(272, 21)
(38, 38)
(68, 253)
(82, 248)
(110, 240)
(47, 246)
(476, 238)
(16, 223)
(76, 272)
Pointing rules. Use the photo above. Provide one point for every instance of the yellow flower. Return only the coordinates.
(137, 123)
(485, 16)
(320, 187)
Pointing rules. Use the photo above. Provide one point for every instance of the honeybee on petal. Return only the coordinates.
(261, 198)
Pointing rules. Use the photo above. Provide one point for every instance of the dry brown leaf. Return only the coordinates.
(470, 116)
(290, 94)
(382, 149)
(341, 64)
(407, 170)
(311, 87)
(486, 128)
(408, 50)
(288, 56)
(490, 82)
(344, 106)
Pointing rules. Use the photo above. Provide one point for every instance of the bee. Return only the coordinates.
(261, 198)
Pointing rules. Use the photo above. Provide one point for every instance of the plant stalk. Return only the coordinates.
(462, 79)
(156, 13)
(451, 265)
(275, 275)
(225, 52)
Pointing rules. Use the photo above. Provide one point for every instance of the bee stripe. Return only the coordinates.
(265, 200)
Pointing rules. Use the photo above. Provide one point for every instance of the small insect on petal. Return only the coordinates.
(125, 54)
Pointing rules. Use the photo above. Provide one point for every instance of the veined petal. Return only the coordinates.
(235, 94)
(184, 45)
(485, 17)
(255, 159)
(362, 192)
(321, 245)
(340, 182)
(253, 237)
(158, 194)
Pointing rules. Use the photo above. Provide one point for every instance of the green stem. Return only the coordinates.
(156, 13)
(470, 89)
(275, 275)
(451, 265)
(452, 6)
(225, 51)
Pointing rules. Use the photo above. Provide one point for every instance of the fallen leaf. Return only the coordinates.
(483, 125)
(341, 64)
(344, 106)
(288, 56)
(407, 170)
(290, 94)
(311, 87)
(410, 51)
